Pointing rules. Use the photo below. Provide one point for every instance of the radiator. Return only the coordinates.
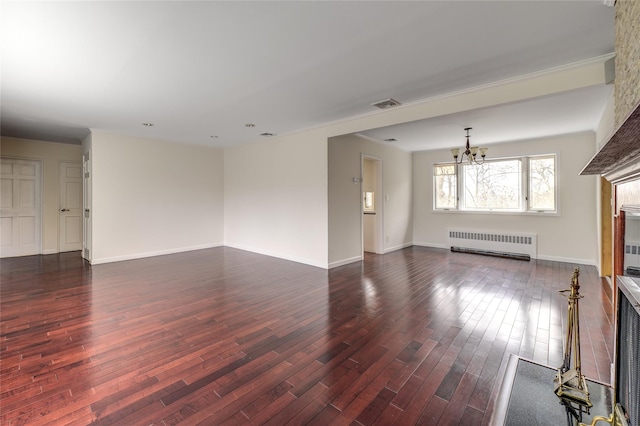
(494, 241)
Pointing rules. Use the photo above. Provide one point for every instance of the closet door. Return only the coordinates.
(20, 207)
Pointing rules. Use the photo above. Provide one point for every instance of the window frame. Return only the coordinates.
(525, 207)
(435, 184)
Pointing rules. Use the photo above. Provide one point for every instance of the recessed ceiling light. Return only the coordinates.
(147, 124)
(391, 140)
(249, 125)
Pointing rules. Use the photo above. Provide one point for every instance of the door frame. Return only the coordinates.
(379, 202)
(86, 206)
(39, 201)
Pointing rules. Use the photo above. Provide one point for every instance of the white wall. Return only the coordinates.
(345, 208)
(276, 193)
(272, 196)
(50, 154)
(153, 197)
(570, 236)
(275, 200)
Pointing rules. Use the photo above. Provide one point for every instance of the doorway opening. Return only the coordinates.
(372, 205)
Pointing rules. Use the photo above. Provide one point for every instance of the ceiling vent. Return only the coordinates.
(266, 134)
(386, 104)
(391, 140)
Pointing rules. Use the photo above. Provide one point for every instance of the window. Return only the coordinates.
(508, 185)
(445, 186)
(542, 183)
(494, 185)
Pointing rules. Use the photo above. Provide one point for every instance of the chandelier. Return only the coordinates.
(471, 152)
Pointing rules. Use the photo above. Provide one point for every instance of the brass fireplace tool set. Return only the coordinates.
(570, 384)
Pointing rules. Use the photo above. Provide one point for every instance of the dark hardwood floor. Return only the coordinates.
(222, 336)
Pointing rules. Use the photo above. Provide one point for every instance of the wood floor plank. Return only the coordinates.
(452, 413)
(271, 395)
(433, 412)
(326, 417)
(223, 336)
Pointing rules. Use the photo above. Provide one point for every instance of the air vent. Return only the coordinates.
(386, 104)
(391, 140)
(266, 134)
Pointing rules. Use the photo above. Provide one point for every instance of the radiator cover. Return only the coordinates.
(506, 242)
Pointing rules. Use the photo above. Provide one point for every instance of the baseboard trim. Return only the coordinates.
(400, 247)
(567, 260)
(432, 245)
(344, 262)
(278, 255)
(133, 256)
(49, 251)
(608, 289)
(331, 265)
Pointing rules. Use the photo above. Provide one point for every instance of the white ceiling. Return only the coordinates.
(559, 114)
(199, 69)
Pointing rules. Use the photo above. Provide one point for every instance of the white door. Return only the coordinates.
(86, 229)
(70, 207)
(20, 207)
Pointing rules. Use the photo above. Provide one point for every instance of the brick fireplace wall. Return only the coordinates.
(627, 81)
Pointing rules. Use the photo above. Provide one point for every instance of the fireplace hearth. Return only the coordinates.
(527, 398)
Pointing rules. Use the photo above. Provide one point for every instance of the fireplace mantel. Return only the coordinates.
(619, 159)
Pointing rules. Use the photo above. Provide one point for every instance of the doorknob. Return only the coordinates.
(64, 210)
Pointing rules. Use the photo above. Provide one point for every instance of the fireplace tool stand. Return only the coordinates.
(569, 384)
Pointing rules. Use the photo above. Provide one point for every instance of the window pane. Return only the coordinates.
(542, 183)
(493, 185)
(444, 169)
(444, 181)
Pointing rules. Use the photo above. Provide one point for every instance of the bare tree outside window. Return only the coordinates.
(493, 185)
